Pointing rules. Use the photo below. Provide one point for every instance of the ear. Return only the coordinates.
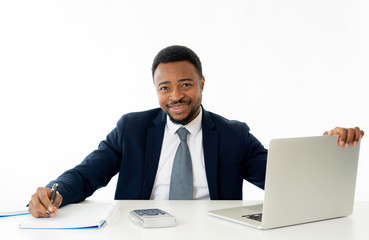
(202, 83)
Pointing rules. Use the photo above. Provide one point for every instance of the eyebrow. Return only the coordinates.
(179, 80)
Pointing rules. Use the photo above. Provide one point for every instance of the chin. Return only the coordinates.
(184, 120)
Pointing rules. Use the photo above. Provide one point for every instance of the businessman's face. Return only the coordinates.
(179, 88)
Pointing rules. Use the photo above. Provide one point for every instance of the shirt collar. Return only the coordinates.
(193, 127)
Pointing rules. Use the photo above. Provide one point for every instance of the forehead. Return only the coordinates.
(174, 71)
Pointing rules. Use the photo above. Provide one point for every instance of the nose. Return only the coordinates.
(176, 95)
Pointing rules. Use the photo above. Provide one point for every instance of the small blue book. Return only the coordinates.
(84, 215)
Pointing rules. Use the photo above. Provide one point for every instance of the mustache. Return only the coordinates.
(174, 103)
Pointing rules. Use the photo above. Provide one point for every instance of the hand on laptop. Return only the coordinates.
(40, 205)
(347, 136)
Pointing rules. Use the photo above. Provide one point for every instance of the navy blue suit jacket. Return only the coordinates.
(132, 148)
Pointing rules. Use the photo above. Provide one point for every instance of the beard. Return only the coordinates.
(187, 119)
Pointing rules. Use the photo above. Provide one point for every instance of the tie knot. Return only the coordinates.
(182, 133)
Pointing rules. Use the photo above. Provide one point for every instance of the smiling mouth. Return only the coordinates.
(178, 107)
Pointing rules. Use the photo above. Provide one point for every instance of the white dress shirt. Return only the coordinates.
(168, 150)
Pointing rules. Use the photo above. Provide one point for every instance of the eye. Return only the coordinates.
(163, 88)
(186, 85)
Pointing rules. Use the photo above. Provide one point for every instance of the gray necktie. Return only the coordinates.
(181, 182)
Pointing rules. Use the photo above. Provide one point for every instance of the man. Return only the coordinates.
(143, 147)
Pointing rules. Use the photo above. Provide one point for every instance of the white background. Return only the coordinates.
(70, 69)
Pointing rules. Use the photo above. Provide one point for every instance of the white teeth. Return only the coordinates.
(178, 106)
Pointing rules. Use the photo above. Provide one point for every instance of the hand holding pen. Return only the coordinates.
(45, 202)
(54, 190)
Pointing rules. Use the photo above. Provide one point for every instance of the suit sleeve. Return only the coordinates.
(256, 160)
(95, 171)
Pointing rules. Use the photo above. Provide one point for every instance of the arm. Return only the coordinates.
(76, 184)
(256, 160)
(96, 170)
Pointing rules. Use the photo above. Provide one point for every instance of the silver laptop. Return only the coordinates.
(307, 179)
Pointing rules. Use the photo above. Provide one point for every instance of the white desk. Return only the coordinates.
(193, 222)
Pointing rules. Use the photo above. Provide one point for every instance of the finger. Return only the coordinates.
(36, 208)
(330, 132)
(44, 195)
(58, 200)
(342, 132)
(358, 135)
(350, 137)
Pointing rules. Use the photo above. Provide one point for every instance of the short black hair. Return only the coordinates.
(177, 53)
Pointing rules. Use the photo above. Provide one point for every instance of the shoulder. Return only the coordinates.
(221, 122)
(235, 133)
(148, 114)
(142, 118)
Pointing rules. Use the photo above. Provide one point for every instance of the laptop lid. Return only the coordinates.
(307, 179)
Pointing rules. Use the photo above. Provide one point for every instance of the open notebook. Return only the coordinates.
(75, 216)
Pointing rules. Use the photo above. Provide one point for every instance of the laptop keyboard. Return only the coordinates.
(256, 217)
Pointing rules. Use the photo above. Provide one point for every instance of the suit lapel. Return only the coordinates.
(210, 139)
(154, 142)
